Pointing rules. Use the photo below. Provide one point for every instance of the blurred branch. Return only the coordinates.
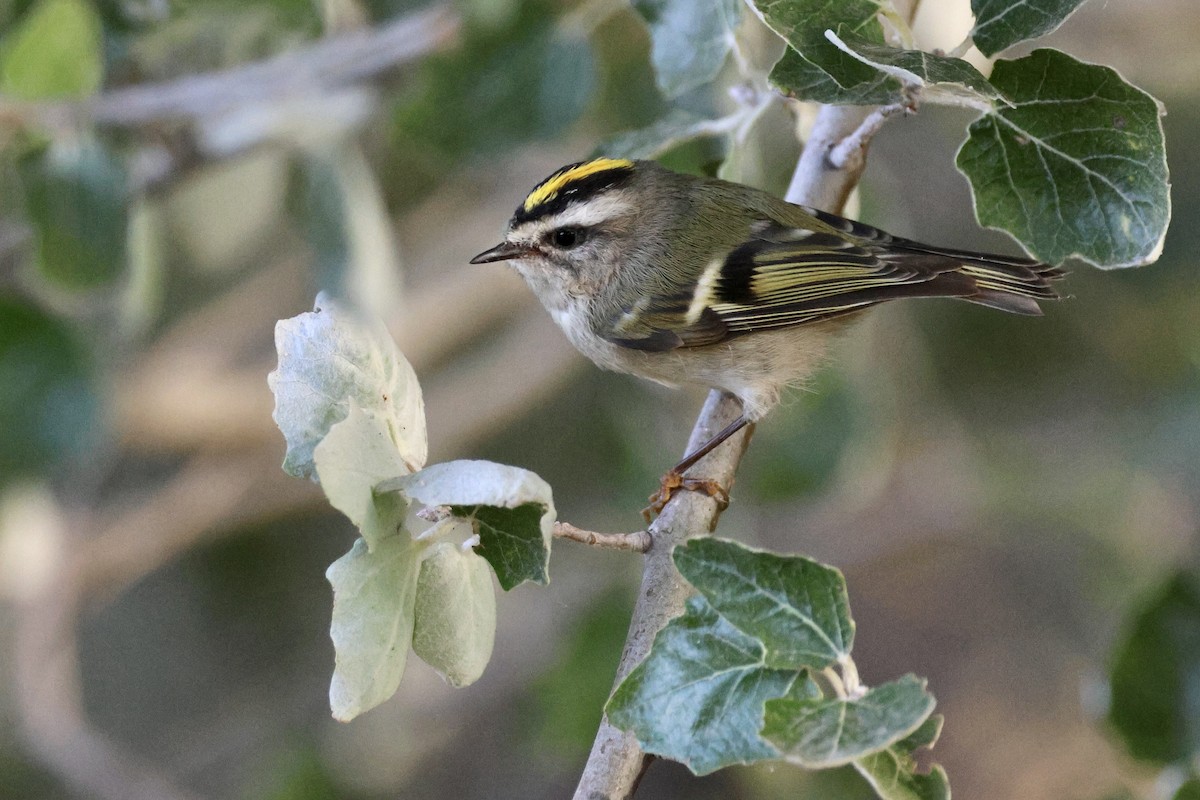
(327, 66)
(50, 698)
(194, 388)
(617, 762)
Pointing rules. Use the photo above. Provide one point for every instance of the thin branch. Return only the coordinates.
(851, 152)
(638, 541)
(617, 762)
(326, 66)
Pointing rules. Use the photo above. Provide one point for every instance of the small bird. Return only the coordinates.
(692, 280)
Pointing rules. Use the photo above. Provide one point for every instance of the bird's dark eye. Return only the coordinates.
(567, 238)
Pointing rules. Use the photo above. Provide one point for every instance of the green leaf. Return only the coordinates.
(1155, 703)
(374, 593)
(795, 606)
(354, 456)
(817, 733)
(676, 128)
(513, 78)
(55, 51)
(510, 508)
(813, 68)
(1189, 790)
(329, 357)
(698, 696)
(455, 610)
(513, 540)
(689, 40)
(892, 772)
(47, 400)
(75, 198)
(1073, 165)
(999, 24)
(857, 84)
(938, 76)
(568, 78)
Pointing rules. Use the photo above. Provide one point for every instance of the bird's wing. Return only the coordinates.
(783, 276)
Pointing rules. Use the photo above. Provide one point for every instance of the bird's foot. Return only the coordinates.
(672, 482)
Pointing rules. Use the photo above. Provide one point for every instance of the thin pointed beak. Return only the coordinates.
(504, 251)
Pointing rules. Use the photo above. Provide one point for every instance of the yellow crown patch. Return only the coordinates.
(550, 187)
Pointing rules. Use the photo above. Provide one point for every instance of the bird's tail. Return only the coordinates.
(1006, 283)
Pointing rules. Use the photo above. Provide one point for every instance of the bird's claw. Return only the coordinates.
(672, 482)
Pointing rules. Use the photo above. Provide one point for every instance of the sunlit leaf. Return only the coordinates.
(374, 594)
(328, 357)
(56, 50)
(1073, 164)
(698, 697)
(816, 732)
(999, 24)
(795, 606)
(354, 456)
(455, 611)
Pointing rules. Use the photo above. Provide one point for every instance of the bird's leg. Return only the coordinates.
(673, 480)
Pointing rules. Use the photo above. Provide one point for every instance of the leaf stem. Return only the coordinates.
(637, 542)
(853, 684)
(963, 47)
(835, 682)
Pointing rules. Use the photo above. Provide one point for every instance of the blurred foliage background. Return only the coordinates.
(1003, 494)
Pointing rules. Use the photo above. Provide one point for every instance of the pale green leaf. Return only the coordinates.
(698, 696)
(354, 456)
(328, 357)
(56, 50)
(795, 606)
(510, 508)
(689, 40)
(455, 611)
(75, 198)
(374, 594)
(892, 772)
(816, 733)
(1073, 164)
(999, 24)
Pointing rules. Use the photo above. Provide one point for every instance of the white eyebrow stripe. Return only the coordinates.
(583, 214)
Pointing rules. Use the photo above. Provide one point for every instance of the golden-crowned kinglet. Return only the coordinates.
(690, 280)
